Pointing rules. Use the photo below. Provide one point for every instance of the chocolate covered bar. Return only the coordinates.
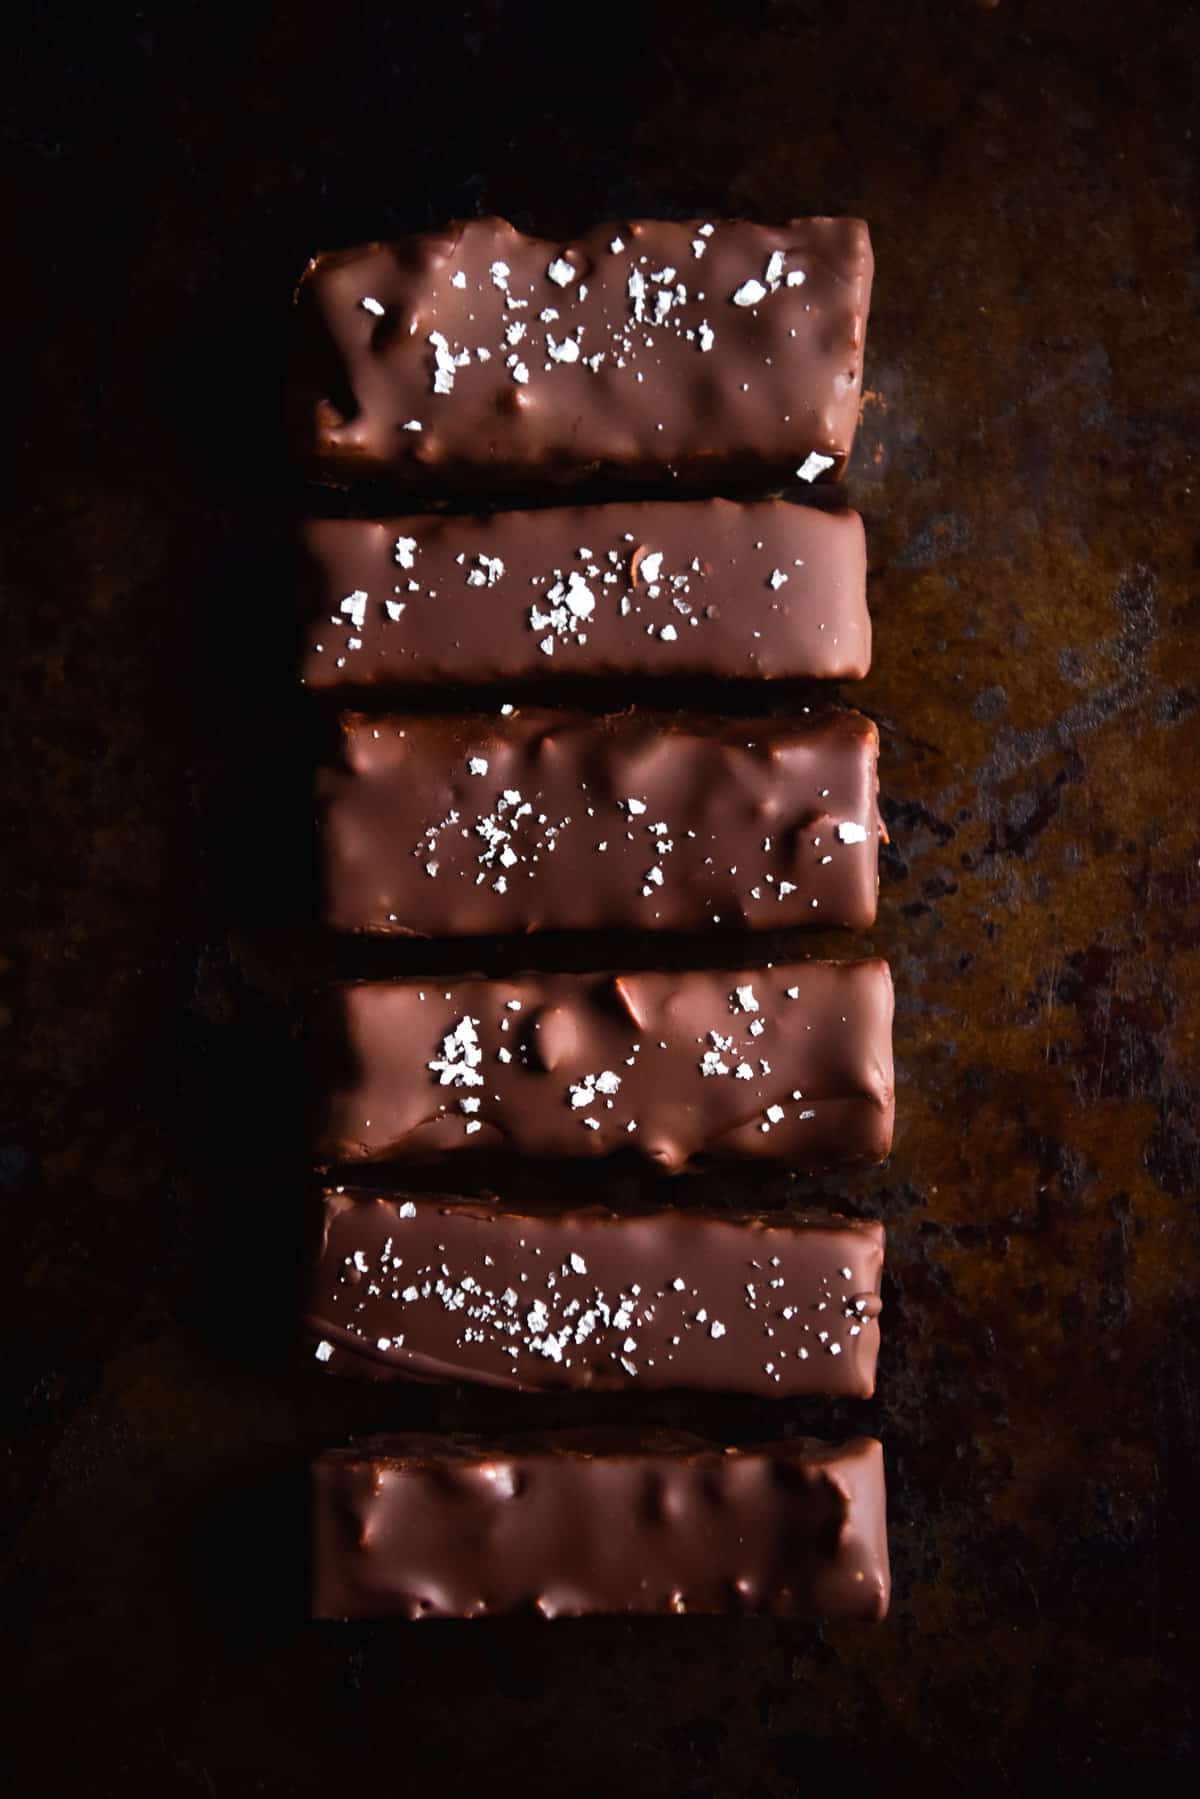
(535, 821)
(689, 587)
(478, 357)
(792, 1063)
(578, 1523)
(416, 1286)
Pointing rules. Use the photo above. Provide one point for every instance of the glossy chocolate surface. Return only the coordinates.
(587, 1522)
(478, 356)
(687, 587)
(792, 1063)
(416, 1286)
(441, 826)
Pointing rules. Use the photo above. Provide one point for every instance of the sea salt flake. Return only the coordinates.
(371, 305)
(749, 293)
(849, 832)
(561, 272)
(405, 551)
(486, 571)
(355, 606)
(813, 465)
(457, 1066)
(444, 364)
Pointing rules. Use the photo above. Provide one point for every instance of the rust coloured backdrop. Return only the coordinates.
(1026, 469)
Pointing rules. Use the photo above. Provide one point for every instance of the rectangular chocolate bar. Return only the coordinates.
(791, 1063)
(537, 821)
(478, 357)
(578, 1523)
(417, 1286)
(686, 587)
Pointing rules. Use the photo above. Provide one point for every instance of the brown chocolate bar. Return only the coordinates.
(477, 357)
(792, 1063)
(417, 1286)
(689, 587)
(536, 821)
(579, 1523)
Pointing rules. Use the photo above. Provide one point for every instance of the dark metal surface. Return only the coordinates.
(1026, 469)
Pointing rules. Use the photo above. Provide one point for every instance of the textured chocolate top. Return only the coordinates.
(792, 1063)
(690, 587)
(578, 1523)
(416, 1286)
(477, 356)
(440, 827)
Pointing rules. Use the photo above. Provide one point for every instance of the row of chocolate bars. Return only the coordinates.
(482, 363)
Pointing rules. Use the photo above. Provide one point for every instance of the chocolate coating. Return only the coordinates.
(475, 356)
(412, 1286)
(585, 1065)
(524, 595)
(441, 827)
(579, 1523)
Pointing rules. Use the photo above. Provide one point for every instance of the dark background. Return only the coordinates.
(1025, 467)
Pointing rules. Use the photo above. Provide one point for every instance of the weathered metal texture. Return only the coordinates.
(1026, 466)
